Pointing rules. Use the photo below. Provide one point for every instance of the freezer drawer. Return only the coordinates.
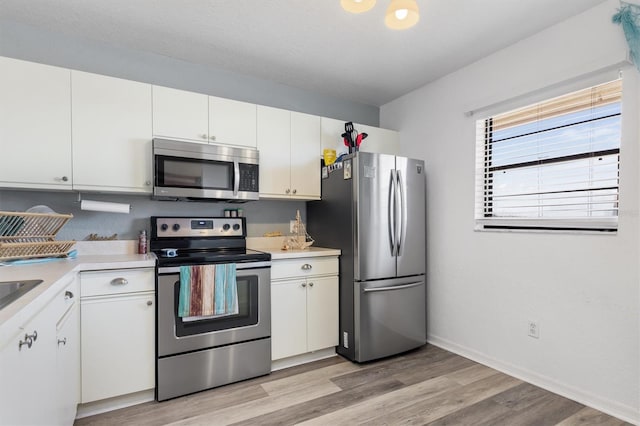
(390, 317)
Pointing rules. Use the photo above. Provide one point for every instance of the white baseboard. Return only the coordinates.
(613, 408)
(302, 359)
(110, 404)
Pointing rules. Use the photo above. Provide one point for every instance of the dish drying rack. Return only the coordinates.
(30, 235)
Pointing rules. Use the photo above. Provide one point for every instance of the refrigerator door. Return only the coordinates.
(411, 214)
(390, 317)
(375, 182)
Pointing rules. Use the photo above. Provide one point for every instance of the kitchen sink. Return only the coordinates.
(10, 291)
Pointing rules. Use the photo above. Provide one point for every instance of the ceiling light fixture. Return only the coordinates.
(401, 14)
(357, 6)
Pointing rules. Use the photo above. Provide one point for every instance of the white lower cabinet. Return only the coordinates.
(118, 333)
(38, 380)
(304, 305)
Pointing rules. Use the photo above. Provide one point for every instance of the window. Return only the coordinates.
(552, 165)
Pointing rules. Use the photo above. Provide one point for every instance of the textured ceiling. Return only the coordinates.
(309, 44)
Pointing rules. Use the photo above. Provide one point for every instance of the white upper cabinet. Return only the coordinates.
(232, 122)
(379, 140)
(178, 114)
(111, 134)
(274, 141)
(289, 145)
(384, 141)
(35, 125)
(305, 155)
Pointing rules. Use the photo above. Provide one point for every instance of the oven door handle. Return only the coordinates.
(239, 266)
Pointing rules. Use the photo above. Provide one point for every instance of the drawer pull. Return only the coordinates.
(149, 303)
(68, 295)
(306, 267)
(33, 336)
(304, 284)
(310, 284)
(119, 281)
(63, 341)
(27, 341)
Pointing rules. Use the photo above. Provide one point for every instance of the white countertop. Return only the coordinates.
(55, 275)
(278, 254)
(274, 245)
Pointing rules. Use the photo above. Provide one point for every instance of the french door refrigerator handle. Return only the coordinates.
(395, 287)
(402, 215)
(391, 212)
(236, 177)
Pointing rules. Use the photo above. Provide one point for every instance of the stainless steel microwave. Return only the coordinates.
(194, 171)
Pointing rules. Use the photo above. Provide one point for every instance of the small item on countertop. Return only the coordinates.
(273, 234)
(227, 213)
(142, 242)
(96, 237)
(240, 212)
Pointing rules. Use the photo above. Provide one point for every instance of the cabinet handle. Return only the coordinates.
(33, 336)
(68, 295)
(119, 281)
(306, 267)
(63, 341)
(147, 183)
(27, 341)
(213, 138)
(295, 190)
(287, 191)
(310, 284)
(304, 284)
(65, 179)
(203, 136)
(149, 303)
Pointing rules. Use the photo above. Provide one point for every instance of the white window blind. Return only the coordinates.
(551, 165)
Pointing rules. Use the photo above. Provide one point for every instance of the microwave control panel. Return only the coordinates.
(248, 177)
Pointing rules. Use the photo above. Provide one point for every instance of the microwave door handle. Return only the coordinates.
(236, 177)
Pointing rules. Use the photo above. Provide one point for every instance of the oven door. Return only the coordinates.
(253, 320)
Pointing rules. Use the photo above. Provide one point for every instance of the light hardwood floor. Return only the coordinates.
(426, 386)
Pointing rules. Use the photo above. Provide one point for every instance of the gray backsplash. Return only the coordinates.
(262, 216)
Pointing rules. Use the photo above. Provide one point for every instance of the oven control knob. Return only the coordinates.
(236, 227)
(176, 227)
(164, 227)
(226, 226)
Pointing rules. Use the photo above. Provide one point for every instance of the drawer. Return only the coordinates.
(65, 299)
(303, 267)
(117, 281)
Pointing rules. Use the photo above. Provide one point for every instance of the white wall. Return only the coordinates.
(483, 287)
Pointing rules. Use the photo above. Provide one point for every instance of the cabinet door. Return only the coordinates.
(232, 122)
(305, 156)
(178, 114)
(68, 366)
(35, 125)
(27, 375)
(288, 318)
(118, 338)
(382, 141)
(322, 313)
(111, 133)
(274, 136)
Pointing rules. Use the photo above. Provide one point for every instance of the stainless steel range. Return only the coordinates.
(197, 353)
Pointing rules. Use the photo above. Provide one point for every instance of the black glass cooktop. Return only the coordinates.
(183, 257)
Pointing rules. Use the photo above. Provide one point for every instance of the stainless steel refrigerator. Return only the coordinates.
(373, 209)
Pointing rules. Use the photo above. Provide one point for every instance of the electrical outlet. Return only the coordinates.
(292, 226)
(534, 329)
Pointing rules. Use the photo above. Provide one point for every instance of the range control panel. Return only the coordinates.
(171, 227)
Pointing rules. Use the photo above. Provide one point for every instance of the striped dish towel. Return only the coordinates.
(207, 291)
